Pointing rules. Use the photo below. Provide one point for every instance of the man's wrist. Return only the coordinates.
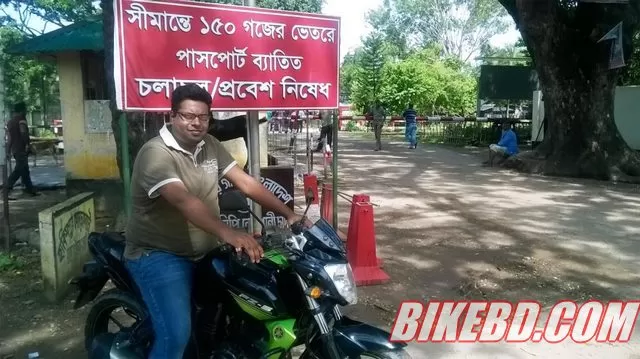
(291, 217)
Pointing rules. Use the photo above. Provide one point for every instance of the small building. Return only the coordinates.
(90, 156)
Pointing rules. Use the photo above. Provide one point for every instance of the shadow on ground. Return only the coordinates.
(448, 228)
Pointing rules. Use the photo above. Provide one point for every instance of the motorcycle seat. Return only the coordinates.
(109, 243)
(110, 246)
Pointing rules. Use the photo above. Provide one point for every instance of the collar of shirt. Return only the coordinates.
(170, 141)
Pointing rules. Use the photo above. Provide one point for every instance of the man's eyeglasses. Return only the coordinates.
(190, 117)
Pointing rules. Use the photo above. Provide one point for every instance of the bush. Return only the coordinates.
(9, 262)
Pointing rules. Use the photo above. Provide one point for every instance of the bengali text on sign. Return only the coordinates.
(247, 58)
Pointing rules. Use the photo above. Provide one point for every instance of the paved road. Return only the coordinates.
(445, 222)
(445, 225)
(46, 175)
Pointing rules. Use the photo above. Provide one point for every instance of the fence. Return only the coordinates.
(457, 132)
(291, 142)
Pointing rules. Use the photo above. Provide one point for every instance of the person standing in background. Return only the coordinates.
(411, 126)
(326, 131)
(19, 144)
(379, 116)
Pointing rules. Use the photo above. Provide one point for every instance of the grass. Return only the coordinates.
(10, 262)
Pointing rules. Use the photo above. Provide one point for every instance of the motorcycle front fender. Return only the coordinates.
(354, 338)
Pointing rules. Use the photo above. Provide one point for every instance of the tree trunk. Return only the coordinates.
(582, 139)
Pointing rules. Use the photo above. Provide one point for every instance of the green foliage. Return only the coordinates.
(368, 74)
(57, 12)
(348, 74)
(45, 133)
(10, 262)
(390, 23)
(424, 47)
(351, 126)
(313, 6)
(630, 75)
(434, 85)
(515, 54)
(461, 27)
(26, 79)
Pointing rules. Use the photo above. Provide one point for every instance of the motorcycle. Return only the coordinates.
(240, 309)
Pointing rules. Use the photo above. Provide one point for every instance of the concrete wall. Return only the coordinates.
(64, 229)
(87, 156)
(627, 114)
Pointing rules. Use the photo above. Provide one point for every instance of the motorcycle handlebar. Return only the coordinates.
(297, 228)
(241, 256)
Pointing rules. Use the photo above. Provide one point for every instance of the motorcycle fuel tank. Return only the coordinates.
(256, 287)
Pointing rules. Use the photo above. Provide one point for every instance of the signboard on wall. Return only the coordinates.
(247, 58)
(501, 82)
(278, 180)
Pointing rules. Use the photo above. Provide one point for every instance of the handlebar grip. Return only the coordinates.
(297, 228)
(243, 258)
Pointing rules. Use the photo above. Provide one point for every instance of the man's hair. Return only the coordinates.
(189, 92)
(410, 105)
(20, 107)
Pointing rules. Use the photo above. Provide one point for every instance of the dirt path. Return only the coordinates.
(28, 323)
(446, 228)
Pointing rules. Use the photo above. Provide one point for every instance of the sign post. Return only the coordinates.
(334, 167)
(253, 155)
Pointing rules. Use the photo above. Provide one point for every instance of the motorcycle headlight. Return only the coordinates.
(343, 280)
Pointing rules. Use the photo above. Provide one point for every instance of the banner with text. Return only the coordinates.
(247, 58)
(278, 180)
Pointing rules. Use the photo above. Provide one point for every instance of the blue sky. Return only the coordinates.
(354, 25)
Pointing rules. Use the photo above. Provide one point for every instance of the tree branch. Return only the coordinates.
(21, 25)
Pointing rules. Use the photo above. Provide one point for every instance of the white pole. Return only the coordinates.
(253, 155)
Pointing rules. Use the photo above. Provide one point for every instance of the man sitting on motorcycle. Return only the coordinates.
(175, 218)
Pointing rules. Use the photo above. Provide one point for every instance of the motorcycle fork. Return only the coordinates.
(326, 335)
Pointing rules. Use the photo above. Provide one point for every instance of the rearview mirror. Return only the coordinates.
(233, 200)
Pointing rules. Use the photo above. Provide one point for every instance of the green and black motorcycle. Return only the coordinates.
(241, 310)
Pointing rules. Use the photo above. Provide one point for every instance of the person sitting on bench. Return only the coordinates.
(507, 146)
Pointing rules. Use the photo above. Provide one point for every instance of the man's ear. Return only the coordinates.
(172, 116)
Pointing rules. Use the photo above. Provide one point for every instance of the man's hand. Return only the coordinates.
(297, 218)
(244, 241)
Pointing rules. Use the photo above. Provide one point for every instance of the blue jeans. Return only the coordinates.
(410, 134)
(165, 281)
